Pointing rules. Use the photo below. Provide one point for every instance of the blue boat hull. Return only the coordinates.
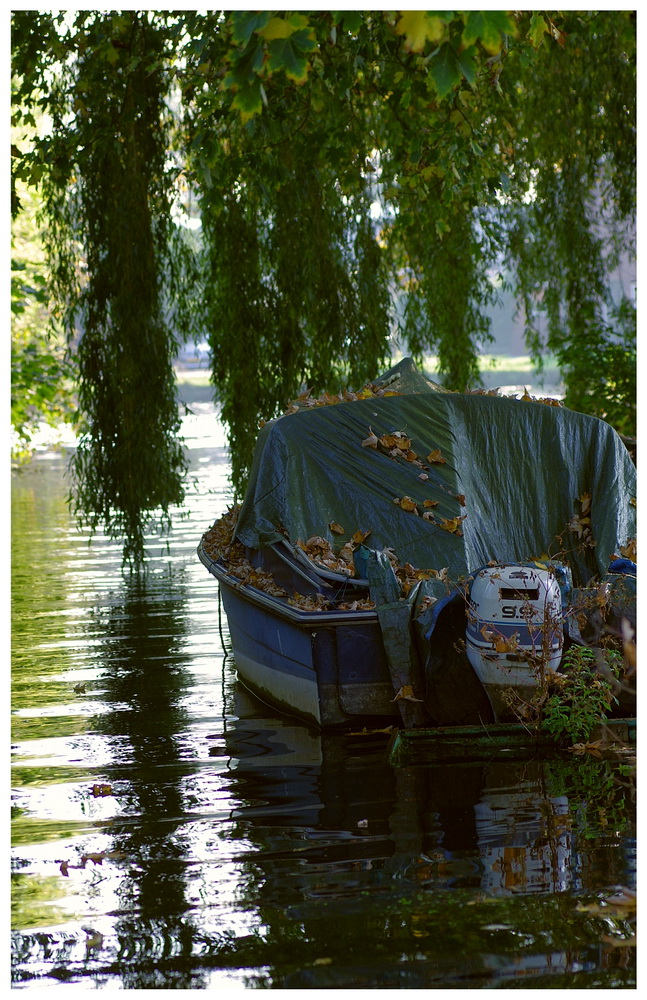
(327, 668)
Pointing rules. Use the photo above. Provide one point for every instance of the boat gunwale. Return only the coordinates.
(278, 605)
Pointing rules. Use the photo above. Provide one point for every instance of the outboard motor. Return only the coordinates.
(515, 630)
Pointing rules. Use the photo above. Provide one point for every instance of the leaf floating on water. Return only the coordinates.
(99, 791)
(435, 457)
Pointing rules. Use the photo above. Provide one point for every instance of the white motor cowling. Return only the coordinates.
(515, 630)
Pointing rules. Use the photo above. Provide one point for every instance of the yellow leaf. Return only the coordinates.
(277, 27)
(337, 528)
(418, 26)
(408, 504)
(435, 456)
(585, 500)
(430, 503)
(406, 693)
(629, 551)
(360, 536)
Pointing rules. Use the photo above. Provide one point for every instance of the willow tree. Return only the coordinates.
(361, 176)
(106, 182)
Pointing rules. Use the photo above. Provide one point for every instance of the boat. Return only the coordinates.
(413, 556)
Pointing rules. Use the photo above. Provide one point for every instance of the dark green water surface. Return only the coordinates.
(169, 832)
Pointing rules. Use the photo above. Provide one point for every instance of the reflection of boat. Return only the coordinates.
(348, 571)
(331, 842)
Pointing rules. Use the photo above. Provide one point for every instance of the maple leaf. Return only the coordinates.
(418, 27)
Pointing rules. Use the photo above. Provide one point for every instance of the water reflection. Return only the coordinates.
(169, 832)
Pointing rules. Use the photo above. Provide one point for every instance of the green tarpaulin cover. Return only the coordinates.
(518, 470)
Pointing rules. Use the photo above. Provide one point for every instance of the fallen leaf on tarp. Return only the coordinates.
(461, 499)
(451, 524)
(578, 525)
(363, 605)
(371, 440)
(406, 693)
(423, 476)
(337, 528)
(629, 551)
(346, 553)
(435, 457)
(585, 501)
(395, 440)
(431, 503)
(316, 602)
(406, 503)
(360, 536)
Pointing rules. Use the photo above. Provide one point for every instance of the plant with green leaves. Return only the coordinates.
(581, 696)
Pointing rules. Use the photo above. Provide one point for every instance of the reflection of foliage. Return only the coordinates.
(415, 941)
(600, 793)
(41, 372)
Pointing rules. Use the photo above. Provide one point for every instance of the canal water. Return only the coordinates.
(170, 832)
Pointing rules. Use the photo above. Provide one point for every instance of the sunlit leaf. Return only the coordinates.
(418, 27)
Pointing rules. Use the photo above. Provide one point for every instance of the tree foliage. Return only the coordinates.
(362, 177)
